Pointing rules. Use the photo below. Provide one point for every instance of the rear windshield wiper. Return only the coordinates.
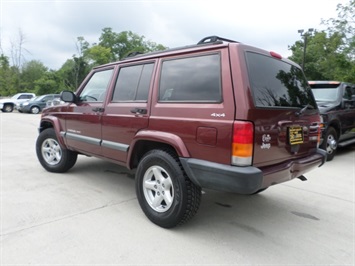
(308, 106)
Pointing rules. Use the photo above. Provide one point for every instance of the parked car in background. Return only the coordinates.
(36, 104)
(336, 102)
(55, 101)
(8, 105)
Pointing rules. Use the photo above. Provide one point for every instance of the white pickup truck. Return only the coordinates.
(8, 105)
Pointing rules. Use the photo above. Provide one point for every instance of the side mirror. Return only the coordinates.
(67, 96)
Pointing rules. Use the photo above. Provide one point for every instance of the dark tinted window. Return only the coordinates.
(194, 79)
(275, 83)
(133, 83)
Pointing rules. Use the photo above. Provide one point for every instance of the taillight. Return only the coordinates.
(242, 146)
(320, 130)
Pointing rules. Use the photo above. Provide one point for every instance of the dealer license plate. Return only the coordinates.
(295, 135)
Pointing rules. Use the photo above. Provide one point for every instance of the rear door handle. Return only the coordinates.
(141, 111)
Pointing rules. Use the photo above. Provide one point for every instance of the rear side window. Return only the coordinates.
(133, 83)
(193, 79)
(275, 83)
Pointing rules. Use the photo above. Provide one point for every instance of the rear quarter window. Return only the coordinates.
(192, 79)
(275, 83)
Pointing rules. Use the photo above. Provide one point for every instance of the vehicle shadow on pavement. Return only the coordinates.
(217, 209)
(344, 150)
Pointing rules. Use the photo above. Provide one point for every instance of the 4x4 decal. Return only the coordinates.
(218, 115)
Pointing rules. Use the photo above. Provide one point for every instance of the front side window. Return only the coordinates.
(25, 96)
(133, 83)
(95, 90)
(349, 93)
(275, 83)
(193, 79)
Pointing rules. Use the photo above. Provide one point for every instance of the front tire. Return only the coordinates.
(52, 156)
(8, 108)
(330, 143)
(165, 193)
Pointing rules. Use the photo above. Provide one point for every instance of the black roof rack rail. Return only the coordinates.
(214, 39)
(205, 41)
(131, 54)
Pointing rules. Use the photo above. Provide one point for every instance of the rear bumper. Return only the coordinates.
(247, 180)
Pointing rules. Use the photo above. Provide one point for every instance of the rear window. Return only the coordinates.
(275, 83)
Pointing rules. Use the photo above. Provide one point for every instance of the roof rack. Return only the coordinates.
(131, 54)
(207, 40)
(214, 39)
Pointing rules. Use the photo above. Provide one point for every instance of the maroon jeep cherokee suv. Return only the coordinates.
(220, 115)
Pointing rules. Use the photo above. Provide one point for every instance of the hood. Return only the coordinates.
(5, 100)
(326, 106)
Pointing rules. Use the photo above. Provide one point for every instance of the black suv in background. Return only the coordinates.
(336, 102)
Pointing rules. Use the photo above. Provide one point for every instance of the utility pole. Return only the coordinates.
(305, 35)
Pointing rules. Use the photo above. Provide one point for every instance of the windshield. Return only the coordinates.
(15, 96)
(325, 92)
(36, 98)
(325, 95)
(39, 98)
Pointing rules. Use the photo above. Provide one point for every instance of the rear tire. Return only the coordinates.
(165, 193)
(52, 156)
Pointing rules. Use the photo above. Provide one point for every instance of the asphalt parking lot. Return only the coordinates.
(90, 215)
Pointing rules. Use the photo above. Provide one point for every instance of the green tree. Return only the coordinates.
(330, 54)
(125, 42)
(47, 84)
(98, 55)
(112, 46)
(344, 24)
(72, 73)
(325, 59)
(31, 71)
(74, 70)
(6, 77)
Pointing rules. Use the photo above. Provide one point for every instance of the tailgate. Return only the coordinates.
(284, 135)
(285, 114)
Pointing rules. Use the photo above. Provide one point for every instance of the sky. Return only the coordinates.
(50, 27)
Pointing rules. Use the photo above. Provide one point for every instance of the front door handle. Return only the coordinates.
(139, 111)
(98, 109)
